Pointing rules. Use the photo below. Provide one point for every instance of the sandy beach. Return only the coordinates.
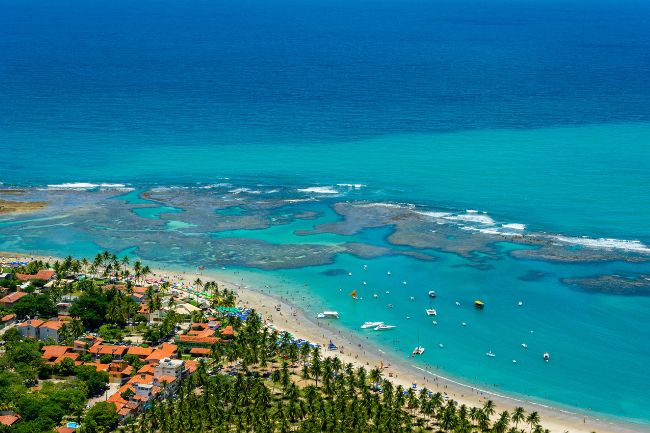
(355, 350)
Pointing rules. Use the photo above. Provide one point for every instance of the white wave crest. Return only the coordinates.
(319, 190)
(606, 243)
(351, 185)
(473, 217)
(514, 226)
(85, 185)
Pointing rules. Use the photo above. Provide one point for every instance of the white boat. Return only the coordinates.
(431, 312)
(375, 296)
(419, 350)
(514, 361)
(388, 273)
(328, 315)
(457, 304)
(441, 345)
(520, 303)
(547, 357)
(432, 294)
(383, 327)
(412, 298)
(524, 345)
(490, 354)
(367, 325)
(434, 322)
(464, 324)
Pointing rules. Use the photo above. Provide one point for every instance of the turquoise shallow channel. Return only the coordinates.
(492, 150)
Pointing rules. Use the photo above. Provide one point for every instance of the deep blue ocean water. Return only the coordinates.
(537, 112)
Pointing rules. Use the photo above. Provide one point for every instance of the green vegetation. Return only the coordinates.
(44, 406)
(264, 382)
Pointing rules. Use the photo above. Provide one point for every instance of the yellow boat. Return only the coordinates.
(479, 304)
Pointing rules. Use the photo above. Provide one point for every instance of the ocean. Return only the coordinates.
(534, 116)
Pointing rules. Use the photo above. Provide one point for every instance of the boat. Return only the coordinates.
(434, 322)
(490, 354)
(375, 296)
(547, 357)
(457, 304)
(520, 303)
(412, 298)
(367, 325)
(383, 327)
(431, 312)
(419, 350)
(388, 273)
(353, 294)
(328, 315)
(432, 294)
(441, 345)
(524, 345)
(464, 324)
(514, 361)
(390, 305)
(479, 304)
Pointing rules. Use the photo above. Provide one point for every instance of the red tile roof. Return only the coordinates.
(53, 324)
(64, 430)
(9, 420)
(200, 351)
(228, 330)
(101, 349)
(8, 317)
(12, 297)
(55, 351)
(33, 322)
(43, 274)
(140, 351)
(197, 340)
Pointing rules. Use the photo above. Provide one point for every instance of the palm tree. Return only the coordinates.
(518, 415)
(532, 419)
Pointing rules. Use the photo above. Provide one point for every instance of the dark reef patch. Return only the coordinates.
(631, 285)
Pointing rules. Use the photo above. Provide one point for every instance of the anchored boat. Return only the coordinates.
(367, 325)
(328, 315)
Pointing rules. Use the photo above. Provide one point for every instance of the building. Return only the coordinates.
(166, 350)
(51, 329)
(30, 328)
(117, 352)
(43, 275)
(9, 420)
(7, 320)
(56, 354)
(11, 299)
(169, 367)
(141, 352)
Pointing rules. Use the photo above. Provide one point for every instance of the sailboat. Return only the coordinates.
(418, 350)
(353, 294)
(367, 325)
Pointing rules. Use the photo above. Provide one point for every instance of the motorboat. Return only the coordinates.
(432, 294)
(390, 305)
(457, 304)
(434, 322)
(524, 345)
(464, 324)
(388, 273)
(367, 325)
(520, 303)
(479, 304)
(490, 354)
(547, 357)
(375, 296)
(383, 327)
(431, 312)
(328, 315)
(412, 298)
(419, 350)
(441, 345)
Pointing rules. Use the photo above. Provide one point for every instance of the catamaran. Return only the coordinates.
(419, 350)
(367, 325)
(490, 354)
(431, 312)
(328, 315)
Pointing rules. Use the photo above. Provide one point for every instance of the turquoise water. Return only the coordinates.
(257, 118)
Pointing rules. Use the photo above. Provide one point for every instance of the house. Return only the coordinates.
(166, 350)
(5, 276)
(43, 275)
(56, 354)
(11, 299)
(117, 352)
(63, 429)
(51, 329)
(30, 328)
(119, 372)
(9, 420)
(82, 344)
(199, 335)
(140, 352)
(200, 351)
(7, 320)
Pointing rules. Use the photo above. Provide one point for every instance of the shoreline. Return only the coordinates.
(353, 349)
